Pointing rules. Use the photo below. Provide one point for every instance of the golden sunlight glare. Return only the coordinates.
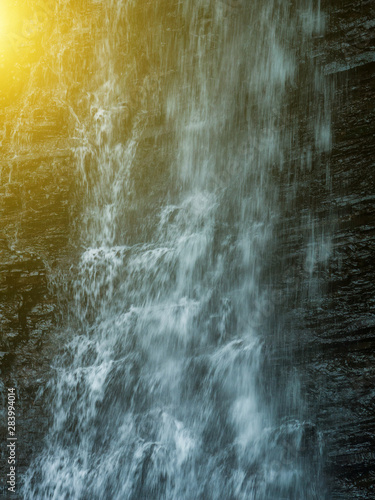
(2, 18)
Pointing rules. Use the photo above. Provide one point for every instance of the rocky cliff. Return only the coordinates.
(336, 327)
(342, 325)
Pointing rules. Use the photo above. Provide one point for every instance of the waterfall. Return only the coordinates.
(165, 387)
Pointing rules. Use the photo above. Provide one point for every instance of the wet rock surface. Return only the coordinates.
(34, 203)
(340, 327)
(334, 348)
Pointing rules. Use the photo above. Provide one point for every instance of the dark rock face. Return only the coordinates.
(336, 330)
(34, 202)
(340, 368)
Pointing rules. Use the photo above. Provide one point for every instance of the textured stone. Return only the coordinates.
(331, 314)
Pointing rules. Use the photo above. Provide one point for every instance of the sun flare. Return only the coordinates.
(3, 17)
(9, 18)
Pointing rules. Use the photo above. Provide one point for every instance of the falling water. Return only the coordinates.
(165, 387)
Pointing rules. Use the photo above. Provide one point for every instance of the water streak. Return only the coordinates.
(162, 390)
